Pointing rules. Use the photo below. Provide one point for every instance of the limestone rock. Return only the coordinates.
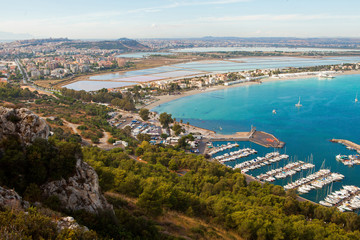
(69, 223)
(11, 199)
(79, 192)
(22, 122)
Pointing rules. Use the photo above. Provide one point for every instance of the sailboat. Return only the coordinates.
(298, 104)
(356, 99)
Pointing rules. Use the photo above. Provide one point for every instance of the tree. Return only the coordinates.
(95, 139)
(144, 114)
(150, 200)
(165, 119)
(173, 165)
(143, 137)
(164, 136)
(177, 129)
(182, 142)
(174, 87)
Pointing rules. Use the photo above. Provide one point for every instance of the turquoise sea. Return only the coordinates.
(329, 111)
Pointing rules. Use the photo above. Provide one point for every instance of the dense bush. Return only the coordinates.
(37, 163)
(101, 96)
(9, 92)
(19, 225)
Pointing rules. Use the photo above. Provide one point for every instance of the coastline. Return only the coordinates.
(87, 77)
(168, 98)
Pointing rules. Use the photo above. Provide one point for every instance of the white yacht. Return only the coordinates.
(298, 104)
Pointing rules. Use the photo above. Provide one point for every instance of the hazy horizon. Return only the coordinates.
(179, 19)
(30, 37)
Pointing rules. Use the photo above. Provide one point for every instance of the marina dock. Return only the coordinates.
(232, 156)
(315, 180)
(260, 161)
(345, 199)
(286, 171)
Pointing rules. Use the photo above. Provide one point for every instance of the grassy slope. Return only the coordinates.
(177, 224)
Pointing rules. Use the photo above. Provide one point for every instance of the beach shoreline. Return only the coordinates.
(168, 98)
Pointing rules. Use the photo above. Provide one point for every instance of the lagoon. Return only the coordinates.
(198, 68)
(263, 49)
(142, 54)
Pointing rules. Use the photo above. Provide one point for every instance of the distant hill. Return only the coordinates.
(210, 41)
(122, 44)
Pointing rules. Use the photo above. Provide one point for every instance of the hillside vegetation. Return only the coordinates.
(151, 199)
(122, 44)
(217, 194)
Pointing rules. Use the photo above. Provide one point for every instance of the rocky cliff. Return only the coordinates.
(81, 191)
(23, 123)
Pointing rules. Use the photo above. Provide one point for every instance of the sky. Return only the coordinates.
(111, 19)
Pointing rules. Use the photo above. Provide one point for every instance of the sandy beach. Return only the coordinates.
(168, 98)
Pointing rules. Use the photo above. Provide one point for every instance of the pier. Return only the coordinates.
(239, 136)
(261, 138)
(347, 143)
(266, 140)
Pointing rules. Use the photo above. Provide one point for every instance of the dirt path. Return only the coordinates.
(104, 141)
(72, 126)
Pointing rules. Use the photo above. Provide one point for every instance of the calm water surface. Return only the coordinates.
(262, 49)
(328, 111)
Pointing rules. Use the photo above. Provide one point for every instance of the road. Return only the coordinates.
(26, 79)
(24, 73)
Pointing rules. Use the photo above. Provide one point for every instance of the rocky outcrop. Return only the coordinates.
(23, 123)
(10, 199)
(81, 191)
(69, 223)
